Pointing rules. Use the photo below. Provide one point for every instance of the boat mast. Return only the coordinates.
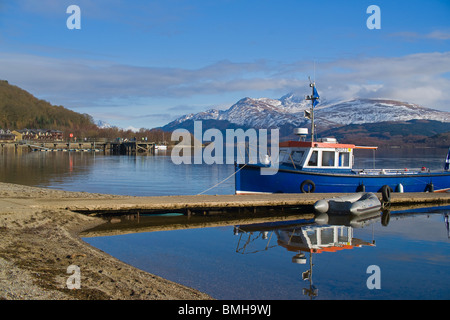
(313, 97)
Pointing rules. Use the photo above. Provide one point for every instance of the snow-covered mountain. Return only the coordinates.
(378, 110)
(103, 124)
(289, 110)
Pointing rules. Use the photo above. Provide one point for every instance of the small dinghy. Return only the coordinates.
(358, 203)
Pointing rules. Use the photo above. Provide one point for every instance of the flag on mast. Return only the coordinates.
(315, 97)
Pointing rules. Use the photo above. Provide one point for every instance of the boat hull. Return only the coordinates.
(248, 179)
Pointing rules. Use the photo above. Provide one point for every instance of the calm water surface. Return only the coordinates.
(157, 175)
(122, 175)
(256, 262)
(269, 262)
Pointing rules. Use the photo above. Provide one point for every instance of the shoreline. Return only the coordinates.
(40, 231)
(39, 244)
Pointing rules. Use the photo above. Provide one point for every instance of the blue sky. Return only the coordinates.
(143, 63)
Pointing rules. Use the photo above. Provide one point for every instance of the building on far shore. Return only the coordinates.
(38, 135)
(6, 136)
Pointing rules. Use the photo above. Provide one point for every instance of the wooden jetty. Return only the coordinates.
(197, 209)
(132, 215)
(131, 147)
(210, 204)
(115, 147)
(66, 146)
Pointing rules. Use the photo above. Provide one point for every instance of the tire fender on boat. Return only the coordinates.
(386, 193)
(307, 186)
(429, 187)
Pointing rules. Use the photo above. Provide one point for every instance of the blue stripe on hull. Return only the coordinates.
(249, 179)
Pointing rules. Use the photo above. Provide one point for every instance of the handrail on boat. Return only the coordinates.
(391, 171)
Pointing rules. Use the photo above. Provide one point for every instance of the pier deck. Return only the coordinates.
(190, 203)
(164, 203)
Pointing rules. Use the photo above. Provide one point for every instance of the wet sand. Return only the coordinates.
(38, 245)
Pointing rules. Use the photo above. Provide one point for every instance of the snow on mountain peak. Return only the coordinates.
(289, 109)
(103, 124)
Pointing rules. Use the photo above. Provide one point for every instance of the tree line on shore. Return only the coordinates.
(19, 110)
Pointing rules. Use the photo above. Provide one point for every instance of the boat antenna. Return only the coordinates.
(313, 97)
(314, 71)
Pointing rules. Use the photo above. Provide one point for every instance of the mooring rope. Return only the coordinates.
(223, 180)
(219, 183)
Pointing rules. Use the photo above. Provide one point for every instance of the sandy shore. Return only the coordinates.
(38, 245)
(39, 233)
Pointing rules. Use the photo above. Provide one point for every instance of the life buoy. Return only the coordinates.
(386, 193)
(307, 186)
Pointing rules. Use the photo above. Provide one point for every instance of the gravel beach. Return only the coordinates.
(38, 245)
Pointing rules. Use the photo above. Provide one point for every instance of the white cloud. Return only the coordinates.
(418, 78)
(439, 35)
(92, 79)
(414, 36)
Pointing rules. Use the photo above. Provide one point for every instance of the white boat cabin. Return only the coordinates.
(323, 154)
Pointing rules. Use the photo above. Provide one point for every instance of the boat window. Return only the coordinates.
(327, 236)
(313, 159)
(284, 156)
(344, 234)
(328, 159)
(297, 156)
(344, 159)
(311, 234)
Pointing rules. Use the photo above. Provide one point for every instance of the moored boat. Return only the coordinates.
(326, 166)
(160, 147)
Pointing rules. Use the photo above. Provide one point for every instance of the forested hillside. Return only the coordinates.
(20, 109)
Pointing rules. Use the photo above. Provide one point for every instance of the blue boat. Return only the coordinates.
(326, 166)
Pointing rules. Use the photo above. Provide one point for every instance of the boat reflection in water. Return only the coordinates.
(325, 233)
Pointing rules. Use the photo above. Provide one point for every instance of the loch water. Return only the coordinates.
(270, 261)
(402, 255)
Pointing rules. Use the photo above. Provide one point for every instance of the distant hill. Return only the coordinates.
(20, 109)
(362, 121)
(393, 133)
(289, 110)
